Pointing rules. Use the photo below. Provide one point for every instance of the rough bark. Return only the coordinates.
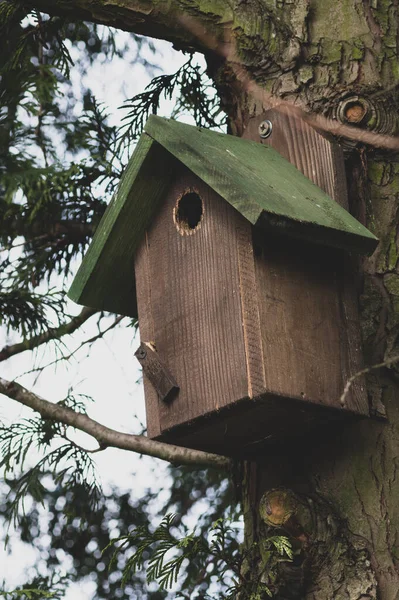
(339, 59)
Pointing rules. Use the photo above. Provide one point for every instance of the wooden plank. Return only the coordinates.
(195, 304)
(301, 321)
(250, 312)
(320, 159)
(156, 371)
(317, 156)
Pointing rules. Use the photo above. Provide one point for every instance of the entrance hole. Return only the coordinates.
(188, 212)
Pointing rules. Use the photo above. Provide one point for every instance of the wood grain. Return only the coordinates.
(300, 321)
(195, 305)
(259, 330)
(321, 160)
(317, 156)
(157, 372)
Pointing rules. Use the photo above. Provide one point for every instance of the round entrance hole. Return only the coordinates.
(188, 212)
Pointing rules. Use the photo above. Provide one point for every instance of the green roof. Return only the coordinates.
(255, 179)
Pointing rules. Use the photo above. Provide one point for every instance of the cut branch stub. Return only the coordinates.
(277, 507)
(157, 372)
(338, 561)
(354, 110)
(375, 114)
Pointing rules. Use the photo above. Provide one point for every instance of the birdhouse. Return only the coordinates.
(237, 267)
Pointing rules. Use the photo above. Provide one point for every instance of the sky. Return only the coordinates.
(107, 371)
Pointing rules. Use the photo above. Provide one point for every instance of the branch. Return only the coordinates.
(52, 334)
(158, 19)
(385, 363)
(67, 357)
(197, 28)
(41, 230)
(245, 82)
(109, 438)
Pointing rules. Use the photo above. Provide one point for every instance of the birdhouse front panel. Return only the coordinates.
(189, 303)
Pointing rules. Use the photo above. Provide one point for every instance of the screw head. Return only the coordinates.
(265, 129)
(141, 353)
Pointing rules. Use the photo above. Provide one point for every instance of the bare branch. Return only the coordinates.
(52, 334)
(67, 357)
(111, 438)
(82, 448)
(385, 363)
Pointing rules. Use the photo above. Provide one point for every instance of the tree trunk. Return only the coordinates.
(336, 494)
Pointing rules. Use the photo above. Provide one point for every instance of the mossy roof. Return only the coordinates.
(255, 179)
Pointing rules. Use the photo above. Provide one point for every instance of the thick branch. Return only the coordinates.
(158, 19)
(52, 334)
(107, 437)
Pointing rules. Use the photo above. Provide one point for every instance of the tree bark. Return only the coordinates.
(338, 59)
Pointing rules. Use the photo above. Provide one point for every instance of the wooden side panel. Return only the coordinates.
(300, 316)
(321, 160)
(195, 306)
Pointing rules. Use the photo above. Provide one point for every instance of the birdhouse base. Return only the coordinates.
(241, 430)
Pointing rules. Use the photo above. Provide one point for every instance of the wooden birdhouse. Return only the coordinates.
(238, 268)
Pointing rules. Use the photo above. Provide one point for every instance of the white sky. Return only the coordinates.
(110, 372)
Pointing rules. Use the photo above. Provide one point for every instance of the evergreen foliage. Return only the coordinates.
(164, 552)
(39, 588)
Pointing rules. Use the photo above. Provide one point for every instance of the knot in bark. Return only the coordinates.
(328, 563)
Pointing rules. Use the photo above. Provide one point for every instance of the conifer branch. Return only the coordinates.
(54, 333)
(67, 357)
(110, 438)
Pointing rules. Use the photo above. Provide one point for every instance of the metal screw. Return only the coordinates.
(265, 129)
(141, 353)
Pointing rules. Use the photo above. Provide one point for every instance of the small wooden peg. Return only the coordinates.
(157, 372)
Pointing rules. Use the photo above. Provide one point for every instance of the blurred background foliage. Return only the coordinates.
(60, 162)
